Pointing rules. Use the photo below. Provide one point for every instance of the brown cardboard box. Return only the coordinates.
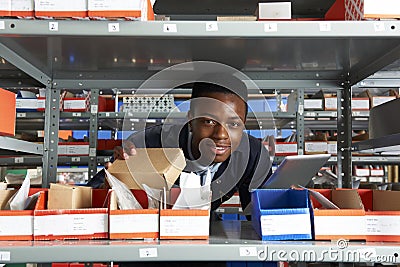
(155, 167)
(69, 197)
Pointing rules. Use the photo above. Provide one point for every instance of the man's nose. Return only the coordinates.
(220, 132)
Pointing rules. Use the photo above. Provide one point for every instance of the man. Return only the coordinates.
(213, 140)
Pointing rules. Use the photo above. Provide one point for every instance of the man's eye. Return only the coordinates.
(234, 124)
(209, 122)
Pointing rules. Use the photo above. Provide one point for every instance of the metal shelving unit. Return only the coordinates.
(229, 241)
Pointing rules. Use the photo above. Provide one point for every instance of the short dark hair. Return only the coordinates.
(220, 83)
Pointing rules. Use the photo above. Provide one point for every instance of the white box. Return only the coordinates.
(275, 10)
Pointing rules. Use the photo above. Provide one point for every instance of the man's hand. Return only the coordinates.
(127, 149)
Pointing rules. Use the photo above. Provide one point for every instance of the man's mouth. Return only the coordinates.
(220, 150)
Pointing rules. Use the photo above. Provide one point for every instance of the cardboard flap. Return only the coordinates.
(5, 196)
(155, 167)
(347, 199)
(386, 200)
(69, 197)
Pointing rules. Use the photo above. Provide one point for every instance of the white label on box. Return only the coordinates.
(332, 148)
(285, 148)
(312, 103)
(286, 224)
(41, 103)
(75, 104)
(331, 103)
(26, 103)
(148, 253)
(248, 252)
(61, 5)
(360, 104)
(234, 200)
(339, 225)
(77, 150)
(379, 100)
(170, 28)
(377, 172)
(22, 5)
(270, 27)
(114, 5)
(316, 147)
(16, 225)
(383, 225)
(134, 223)
(361, 172)
(211, 26)
(2, 25)
(71, 224)
(62, 149)
(276, 10)
(5, 5)
(19, 160)
(184, 226)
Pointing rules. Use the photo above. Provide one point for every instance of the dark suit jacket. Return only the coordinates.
(247, 168)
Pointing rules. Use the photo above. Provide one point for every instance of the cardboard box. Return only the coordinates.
(73, 149)
(61, 8)
(60, 224)
(16, 8)
(285, 148)
(348, 222)
(132, 10)
(382, 214)
(15, 224)
(183, 223)
(7, 113)
(282, 214)
(69, 197)
(274, 10)
(159, 168)
(133, 224)
(315, 147)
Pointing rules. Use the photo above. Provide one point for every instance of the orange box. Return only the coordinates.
(61, 8)
(61, 224)
(7, 113)
(382, 214)
(16, 8)
(133, 224)
(132, 10)
(347, 222)
(16, 224)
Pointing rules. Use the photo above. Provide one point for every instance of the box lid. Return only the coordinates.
(155, 167)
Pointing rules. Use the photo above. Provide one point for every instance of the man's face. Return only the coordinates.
(217, 124)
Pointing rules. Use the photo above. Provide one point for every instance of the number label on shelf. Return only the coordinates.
(19, 160)
(148, 253)
(248, 252)
(53, 26)
(21, 115)
(270, 27)
(94, 109)
(170, 28)
(325, 27)
(113, 27)
(212, 26)
(379, 26)
(5, 255)
(2, 25)
(76, 114)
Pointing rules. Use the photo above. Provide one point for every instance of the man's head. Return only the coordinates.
(217, 116)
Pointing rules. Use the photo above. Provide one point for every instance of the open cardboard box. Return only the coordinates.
(183, 223)
(347, 222)
(133, 224)
(158, 168)
(71, 212)
(16, 224)
(282, 214)
(382, 214)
